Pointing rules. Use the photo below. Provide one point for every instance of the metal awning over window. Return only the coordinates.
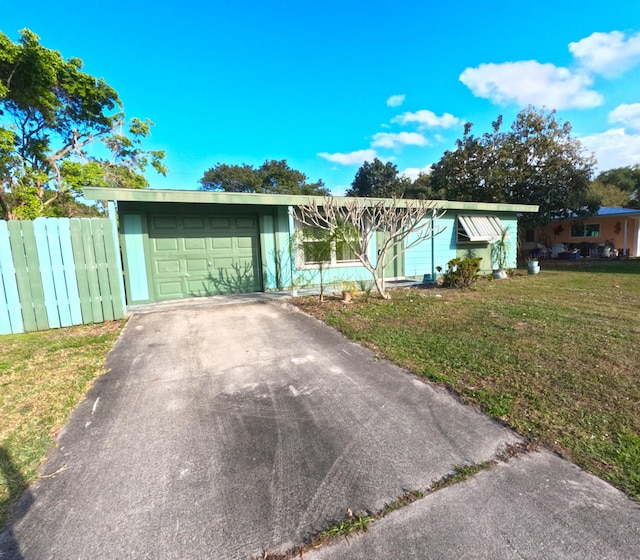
(479, 228)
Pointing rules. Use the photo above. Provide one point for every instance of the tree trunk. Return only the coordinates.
(381, 287)
(321, 283)
(7, 214)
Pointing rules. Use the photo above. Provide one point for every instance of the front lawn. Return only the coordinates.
(43, 376)
(553, 355)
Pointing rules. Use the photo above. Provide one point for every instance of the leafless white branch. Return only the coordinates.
(405, 223)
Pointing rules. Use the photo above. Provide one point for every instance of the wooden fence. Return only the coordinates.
(58, 272)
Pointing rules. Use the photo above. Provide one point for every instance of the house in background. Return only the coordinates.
(179, 244)
(610, 228)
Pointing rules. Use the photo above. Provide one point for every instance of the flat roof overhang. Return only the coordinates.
(208, 197)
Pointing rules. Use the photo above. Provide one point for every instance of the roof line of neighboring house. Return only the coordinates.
(204, 197)
(610, 211)
(605, 212)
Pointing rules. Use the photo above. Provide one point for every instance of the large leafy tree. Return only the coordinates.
(53, 117)
(272, 177)
(377, 179)
(625, 179)
(422, 188)
(536, 161)
(610, 195)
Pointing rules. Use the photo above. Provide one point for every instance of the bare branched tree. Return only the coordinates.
(354, 221)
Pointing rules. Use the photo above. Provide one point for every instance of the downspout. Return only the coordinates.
(625, 250)
(433, 249)
(292, 255)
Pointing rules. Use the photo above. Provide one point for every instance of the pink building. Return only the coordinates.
(610, 232)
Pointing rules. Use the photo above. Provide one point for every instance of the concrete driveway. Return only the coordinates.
(222, 432)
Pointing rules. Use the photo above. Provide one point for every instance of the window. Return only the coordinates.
(478, 229)
(317, 247)
(315, 251)
(585, 230)
(344, 253)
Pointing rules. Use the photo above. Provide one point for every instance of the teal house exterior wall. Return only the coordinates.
(423, 259)
(447, 247)
(511, 223)
(133, 243)
(444, 244)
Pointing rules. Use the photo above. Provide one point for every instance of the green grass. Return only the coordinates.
(352, 523)
(553, 355)
(460, 474)
(356, 523)
(43, 376)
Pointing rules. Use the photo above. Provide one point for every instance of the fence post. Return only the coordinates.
(25, 258)
(10, 308)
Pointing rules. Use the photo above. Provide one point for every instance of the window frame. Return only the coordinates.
(333, 262)
(584, 230)
(462, 235)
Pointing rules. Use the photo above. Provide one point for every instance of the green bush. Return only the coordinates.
(461, 272)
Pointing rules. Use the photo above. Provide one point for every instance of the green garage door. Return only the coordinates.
(197, 255)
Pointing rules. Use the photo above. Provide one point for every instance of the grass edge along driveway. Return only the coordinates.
(552, 355)
(43, 376)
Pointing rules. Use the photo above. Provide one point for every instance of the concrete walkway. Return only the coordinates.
(535, 506)
(224, 431)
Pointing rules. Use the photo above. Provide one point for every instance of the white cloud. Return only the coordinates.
(396, 100)
(352, 158)
(532, 83)
(628, 115)
(392, 140)
(414, 172)
(609, 54)
(339, 190)
(614, 148)
(427, 119)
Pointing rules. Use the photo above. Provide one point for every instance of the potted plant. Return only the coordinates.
(500, 253)
(348, 289)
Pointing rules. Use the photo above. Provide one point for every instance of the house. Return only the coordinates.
(179, 244)
(610, 228)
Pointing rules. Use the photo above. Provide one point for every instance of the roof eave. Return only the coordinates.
(207, 197)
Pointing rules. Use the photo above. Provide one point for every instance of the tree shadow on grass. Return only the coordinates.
(18, 501)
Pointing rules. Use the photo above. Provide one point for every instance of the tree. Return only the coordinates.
(626, 179)
(610, 195)
(379, 180)
(536, 162)
(405, 224)
(50, 114)
(274, 177)
(422, 188)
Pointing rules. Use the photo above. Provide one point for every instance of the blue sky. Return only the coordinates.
(326, 85)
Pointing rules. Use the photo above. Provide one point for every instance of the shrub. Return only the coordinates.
(461, 272)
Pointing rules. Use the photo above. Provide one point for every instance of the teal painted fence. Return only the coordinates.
(58, 272)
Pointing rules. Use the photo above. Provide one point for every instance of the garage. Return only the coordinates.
(194, 255)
